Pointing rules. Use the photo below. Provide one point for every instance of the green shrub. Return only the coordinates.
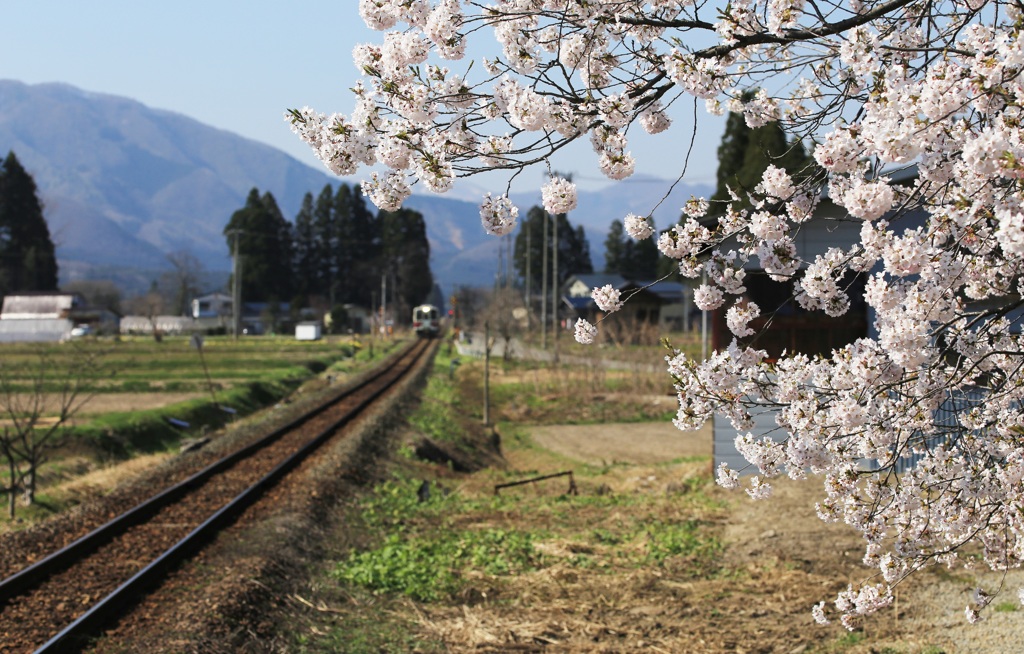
(422, 555)
(435, 417)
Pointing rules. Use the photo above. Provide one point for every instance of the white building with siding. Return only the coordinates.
(47, 317)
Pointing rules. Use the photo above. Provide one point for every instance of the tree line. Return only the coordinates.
(336, 252)
(634, 260)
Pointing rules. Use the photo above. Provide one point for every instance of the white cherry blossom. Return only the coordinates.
(913, 114)
(559, 196)
(585, 333)
(607, 298)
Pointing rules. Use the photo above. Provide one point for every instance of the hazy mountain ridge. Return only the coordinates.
(124, 184)
(109, 167)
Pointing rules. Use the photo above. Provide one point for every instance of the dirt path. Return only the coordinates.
(637, 442)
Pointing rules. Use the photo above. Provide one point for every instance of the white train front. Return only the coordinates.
(426, 320)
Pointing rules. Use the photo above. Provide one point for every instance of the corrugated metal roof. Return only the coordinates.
(31, 306)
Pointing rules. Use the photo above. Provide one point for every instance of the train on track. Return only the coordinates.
(426, 320)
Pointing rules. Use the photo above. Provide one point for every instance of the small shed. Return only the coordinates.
(308, 331)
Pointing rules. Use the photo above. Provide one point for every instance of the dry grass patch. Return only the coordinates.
(101, 480)
(639, 561)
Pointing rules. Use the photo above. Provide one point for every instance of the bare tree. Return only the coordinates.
(98, 293)
(37, 401)
(182, 282)
(151, 305)
(506, 314)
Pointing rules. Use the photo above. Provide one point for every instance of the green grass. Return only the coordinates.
(684, 539)
(142, 364)
(426, 550)
(428, 568)
(842, 643)
(245, 375)
(441, 402)
(420, 554)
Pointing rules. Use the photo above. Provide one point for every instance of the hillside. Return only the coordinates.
(113, 172)
(124, 184)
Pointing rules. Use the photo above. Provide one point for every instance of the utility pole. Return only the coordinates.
(373, 312)
(544, 287)
(529, 250)
(555, 326)
(384, 303)
(704, 325)
(509, 263)
(555, 300)
(236, 285)
(487, 373)
(501, 267)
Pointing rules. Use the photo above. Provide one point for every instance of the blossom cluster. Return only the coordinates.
(498, 215)
(915, 110)
(559, 196)
(609, 300)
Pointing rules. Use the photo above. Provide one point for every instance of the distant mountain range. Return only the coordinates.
(123, 185)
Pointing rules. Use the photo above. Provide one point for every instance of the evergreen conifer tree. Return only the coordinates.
(324, 258)
(265, 247)
(405, 256)
(634, 260)
(744, 154)
(573, 247)
(28, 261)
(305, 266)
(362, 242)
(614, 248)
(732, 153)
(641, 262)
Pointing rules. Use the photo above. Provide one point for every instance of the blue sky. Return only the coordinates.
(238, 65)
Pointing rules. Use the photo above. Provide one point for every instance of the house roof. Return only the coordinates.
(579, 303)
(25, 306)
(597, 280)
(213, 295)
(665, 291)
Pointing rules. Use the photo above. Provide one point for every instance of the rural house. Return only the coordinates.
(653, 309)
(795, 330)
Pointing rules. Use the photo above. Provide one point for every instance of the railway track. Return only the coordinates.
(62, 600)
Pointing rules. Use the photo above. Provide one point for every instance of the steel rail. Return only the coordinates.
(102, 611)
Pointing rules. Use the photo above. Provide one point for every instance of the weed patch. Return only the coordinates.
(668, 540)
(422, 555)
(430, 549)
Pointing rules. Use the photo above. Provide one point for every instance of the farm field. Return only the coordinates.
(142, 398)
